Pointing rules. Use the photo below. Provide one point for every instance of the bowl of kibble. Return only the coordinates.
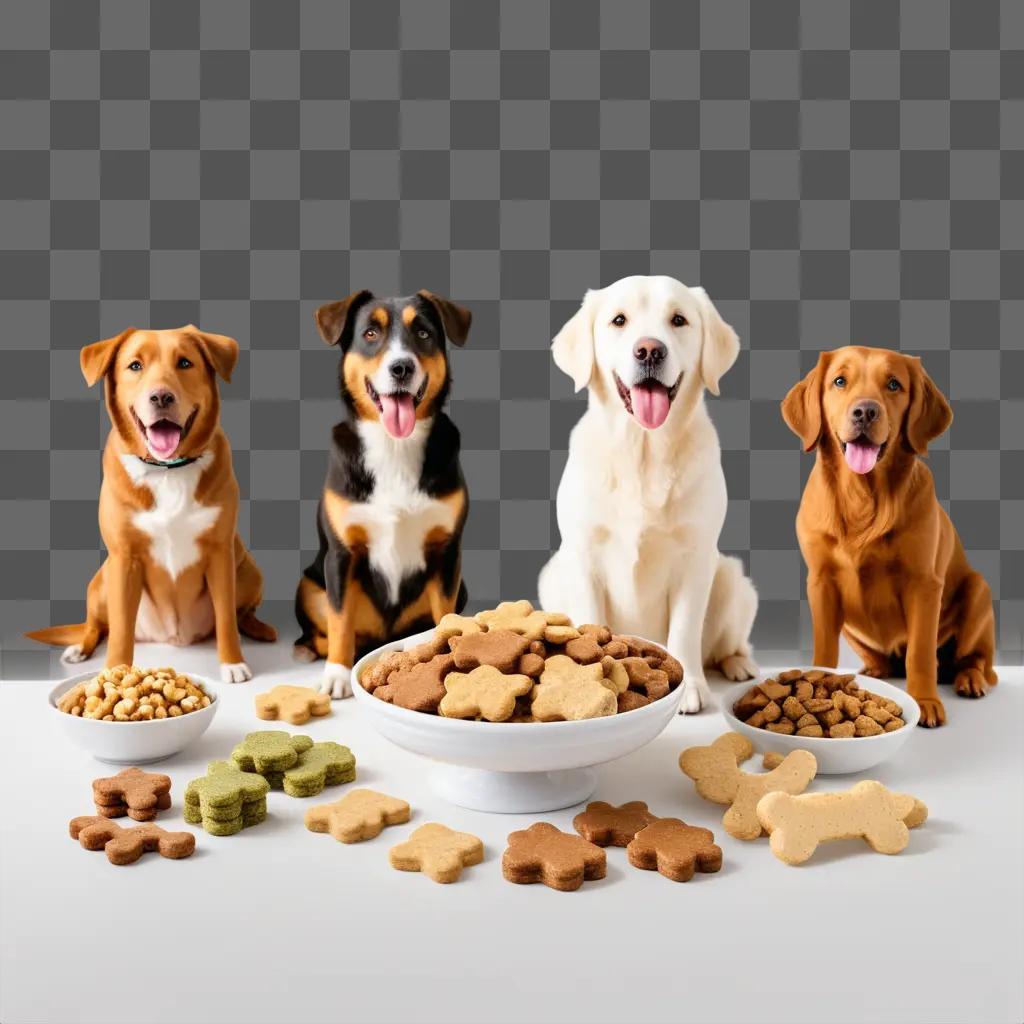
(848, 721)
(131, 715)
(517, 705)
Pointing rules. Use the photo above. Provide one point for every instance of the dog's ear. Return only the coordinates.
(720, 345)
(334, 317)
(801, 408)
(456, 318)
(573, 346)
(929, 414)
(220, 351)
(97, 358)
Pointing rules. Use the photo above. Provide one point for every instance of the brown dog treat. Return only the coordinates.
(784, 727)
(616, 649)
(484, 692)
(811, 730)
(133, 792)
(673, 668)
(605, 825)
(570, 692)
(831, 717)
(520, 617)
(772, 712)
(873, 710)
(815, 675)
(456, 625)
(531, 665)
(500, 648)
(419, 688)
(631, 700)
(864, 726)
(377, 674)
(584, 649)
(543, 853)
(805, 720)
(893, 724)
(789, 675)
(438, 851)
(674, 849)
(651, 682)
(295, 704)
(539, 648)
(757, 720)
(803, 691)
(774, 690)
(793, 709)
(360, 814)
(615, 676)
(600, 634)
(818, 706)
(750, 703)
(127, 845)
(558, 634)
(842, 730)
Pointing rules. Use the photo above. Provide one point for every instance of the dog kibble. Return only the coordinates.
(129, 694)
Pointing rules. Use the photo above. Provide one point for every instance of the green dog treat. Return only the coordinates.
(270, 750)
(324, 764)
(226, 799)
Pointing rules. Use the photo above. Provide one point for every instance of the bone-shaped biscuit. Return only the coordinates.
(869, 811)
(438, 851)
(716, 773)
(360, 814)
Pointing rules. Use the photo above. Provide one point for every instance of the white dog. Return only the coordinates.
(642, 500)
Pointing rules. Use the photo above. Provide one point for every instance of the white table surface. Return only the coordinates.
(280, 924)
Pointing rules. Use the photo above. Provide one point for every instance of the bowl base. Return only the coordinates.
(513, 792)
(120, 761)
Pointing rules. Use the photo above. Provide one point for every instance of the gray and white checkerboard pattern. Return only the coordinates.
(829, 170)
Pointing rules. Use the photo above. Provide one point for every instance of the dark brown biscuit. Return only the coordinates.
(674, 849)
(420, 687)
(530, 664)
(605, 825)
(543, 853)
(500, 648)
(631, 700)
(127, 845)
(651, 682)
(672, 668)
(133, 792)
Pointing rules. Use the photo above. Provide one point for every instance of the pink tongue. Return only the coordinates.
(650, 405)
(398, 413)
(861, 458)
(163, 439)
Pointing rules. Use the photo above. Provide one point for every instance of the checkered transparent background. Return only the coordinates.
(828, 170)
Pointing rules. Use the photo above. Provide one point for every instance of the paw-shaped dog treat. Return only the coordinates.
(133, 792)
(500, 648)
(605, 825)
(438, 851)
(456, 625)
(127, 845)
(226, 799)
(674, 849)
(715, 771)
(543, 853)
(360, 814)
(418, 687)
(651, 682)
(485, 693)
(269, 750)
(323, 764)
(869, 811)
(520, 617)
(295, 704)
(572, 692)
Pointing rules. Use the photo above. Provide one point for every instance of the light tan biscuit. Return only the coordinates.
(438, 851)
(295, 704)
(456, 625)
(485, 693)
(571, 692)
(520, 617)
(360, 814)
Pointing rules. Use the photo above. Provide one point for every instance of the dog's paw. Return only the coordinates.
(73, 655)
(738, 667)
(695, 695)
(970, 683)
(300, 652)
(235, 672)
(933, 714)
(337, 681)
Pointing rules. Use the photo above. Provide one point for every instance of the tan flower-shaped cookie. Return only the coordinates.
(127, 845)
(715, 771)
(674, 849)
(520, 617)
(500, 648)
(605, 825)
(133, 792)
(295, 704)
(869, 811)
(485, 692)
(456, 625)
(418, 687)
(543, 853)
(572, 692)
(360, 814)
(438, 851)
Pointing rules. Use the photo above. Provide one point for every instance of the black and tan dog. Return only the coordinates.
(394, 502)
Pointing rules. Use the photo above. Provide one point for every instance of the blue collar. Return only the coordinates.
(172, 464)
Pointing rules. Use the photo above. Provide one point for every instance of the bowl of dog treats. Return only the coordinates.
(517, 705)
(849, 722)
(131, 715)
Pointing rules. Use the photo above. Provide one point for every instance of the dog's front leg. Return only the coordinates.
(923, 605)
(123, 574)
(220, 578)
(826, 618)
(341, 636)
(686, 626)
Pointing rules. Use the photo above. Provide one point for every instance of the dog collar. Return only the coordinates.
(172, 464)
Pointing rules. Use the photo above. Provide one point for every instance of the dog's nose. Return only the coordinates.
(162, 398)
(865, 412)
(401, 370)
(649, 350)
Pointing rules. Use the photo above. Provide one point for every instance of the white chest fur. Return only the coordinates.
(176, 521)
(398, 515)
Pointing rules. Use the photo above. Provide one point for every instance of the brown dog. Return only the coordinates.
(176, 570)
(885, 564)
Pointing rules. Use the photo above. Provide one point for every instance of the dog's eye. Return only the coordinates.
(619, 320)
(184, 364)
(135, 365)
(370, 334)
(679, 320)
(840, 382)
(422, 334)
(894, 384)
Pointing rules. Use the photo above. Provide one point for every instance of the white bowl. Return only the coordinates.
(133, 742)
(512, 768)
(835, 756)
